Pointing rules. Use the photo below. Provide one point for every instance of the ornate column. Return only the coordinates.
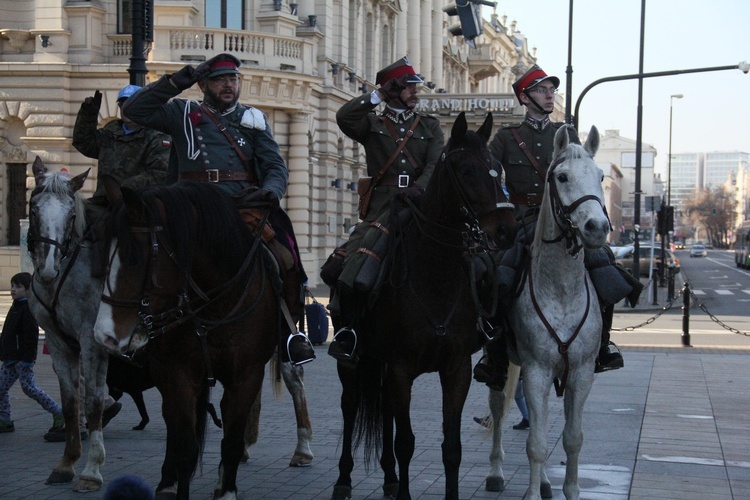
(437, 44)
(298, 190)
(413, 36)
(425, 62)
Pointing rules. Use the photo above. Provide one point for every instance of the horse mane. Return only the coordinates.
(574, 151)
(199, 218)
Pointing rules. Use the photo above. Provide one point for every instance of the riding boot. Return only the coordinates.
(609, 355)
(492, 369)
(344, 345)
(299, 350)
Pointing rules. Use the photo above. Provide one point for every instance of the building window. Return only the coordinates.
(125, 16)
(229, 14)
(15, 203)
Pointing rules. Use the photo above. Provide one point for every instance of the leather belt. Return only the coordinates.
(401, 180)
(526, 199)
(215, 175)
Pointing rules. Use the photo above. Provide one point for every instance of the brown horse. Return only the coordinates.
(187, 278)
(425, 319)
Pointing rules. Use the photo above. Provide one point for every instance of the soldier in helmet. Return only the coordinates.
(404, 174)
(222, 141)
(524, 151)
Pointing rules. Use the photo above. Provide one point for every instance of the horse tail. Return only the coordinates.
(201, 417)
(368, 427)
(275, 375)
(514, 374)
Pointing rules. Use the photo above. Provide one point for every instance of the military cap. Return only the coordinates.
(223, 64)
(533, 77)
(399, 68)
(127, 91)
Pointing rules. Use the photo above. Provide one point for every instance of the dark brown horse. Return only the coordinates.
(187, 277)
(425, 317)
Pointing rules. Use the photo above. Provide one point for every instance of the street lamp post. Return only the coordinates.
(665, 238)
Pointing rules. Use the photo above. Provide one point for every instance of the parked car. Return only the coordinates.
(698, 251)
(624, 256)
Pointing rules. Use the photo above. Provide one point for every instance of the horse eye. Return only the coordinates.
(562, 178)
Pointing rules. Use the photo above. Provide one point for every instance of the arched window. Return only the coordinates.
(229, 14)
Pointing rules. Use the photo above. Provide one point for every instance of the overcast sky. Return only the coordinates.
(714, 113)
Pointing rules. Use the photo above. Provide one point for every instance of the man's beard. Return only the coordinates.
(214, 100)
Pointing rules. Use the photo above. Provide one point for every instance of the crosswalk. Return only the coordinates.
(720, 291)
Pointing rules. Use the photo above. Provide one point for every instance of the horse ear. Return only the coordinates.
(112, 189)
(592, 141)
(458, 132)
(76, 182)
(485, 131)
(38, 169)
(561, 140)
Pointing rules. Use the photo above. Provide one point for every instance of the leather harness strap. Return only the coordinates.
(525, 149)
(231, 140)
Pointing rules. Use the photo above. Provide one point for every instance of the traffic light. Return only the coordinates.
(470, 20)
(669, 218)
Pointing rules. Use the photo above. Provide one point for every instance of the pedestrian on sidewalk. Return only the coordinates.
(18, 346)
(521, 403)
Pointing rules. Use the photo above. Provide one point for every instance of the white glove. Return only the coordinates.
(253, 118)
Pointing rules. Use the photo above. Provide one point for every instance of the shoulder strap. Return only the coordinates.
(402, 142)
(526, 151)
(226, 133)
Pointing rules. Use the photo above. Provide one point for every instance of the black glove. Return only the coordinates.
(393, 88)
(412, 193)
(91, 105)
(269, 197)
(185, 78)
(202, 69)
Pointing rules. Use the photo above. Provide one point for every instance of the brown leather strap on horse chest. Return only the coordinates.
(562, 347)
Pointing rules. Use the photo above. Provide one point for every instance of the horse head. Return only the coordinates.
(466, 189)
(56, 218)
(574, 197)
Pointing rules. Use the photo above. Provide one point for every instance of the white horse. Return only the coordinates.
(556, 317)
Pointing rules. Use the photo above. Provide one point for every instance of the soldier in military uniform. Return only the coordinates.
(524, 151)
(222, 141)
(405, 175)
(133, 155)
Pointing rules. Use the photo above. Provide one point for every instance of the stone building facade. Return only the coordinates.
(300, 62)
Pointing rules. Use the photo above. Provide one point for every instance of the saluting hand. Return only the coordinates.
(393, 88)
(184, 78)
(91, 105)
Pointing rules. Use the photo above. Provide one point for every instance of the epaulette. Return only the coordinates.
(513, 125)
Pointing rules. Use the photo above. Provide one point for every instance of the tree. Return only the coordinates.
(713, 209)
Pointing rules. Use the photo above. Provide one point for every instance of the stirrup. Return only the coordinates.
(614, 362)
(309, 356)
(337, 351)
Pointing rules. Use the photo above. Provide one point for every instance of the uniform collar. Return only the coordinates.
(398, 115)
(231, 109)
(537, 125)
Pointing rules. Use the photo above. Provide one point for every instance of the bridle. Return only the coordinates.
(568, 230)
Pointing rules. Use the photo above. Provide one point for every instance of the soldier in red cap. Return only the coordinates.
(402, 147)
(524, 152)
(222, 141)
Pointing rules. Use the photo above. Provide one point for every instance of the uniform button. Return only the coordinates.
(536, 185)
(537, 157)
(203, 146)
(200, 137)
(403, 129)
(205, 153)
(361, 102)
(403, 161)
(539, 144)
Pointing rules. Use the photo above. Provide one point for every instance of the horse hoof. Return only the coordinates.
(301, 460)
(341, 493)
(390, 490)
(495, 484)
(60, 477)
(545, 490)
(87, 485)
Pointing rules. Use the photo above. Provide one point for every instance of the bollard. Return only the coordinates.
(686, 315)
(670, 284)
(654, 289)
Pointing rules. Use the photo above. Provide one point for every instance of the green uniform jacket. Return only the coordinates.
(134, 160)
(200, 145)
(357, 119)
(521, 178)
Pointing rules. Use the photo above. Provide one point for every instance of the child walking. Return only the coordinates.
(18, 346)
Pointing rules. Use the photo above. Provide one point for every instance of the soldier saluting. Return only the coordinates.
(221, 141)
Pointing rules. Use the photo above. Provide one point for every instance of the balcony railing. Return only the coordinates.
(257, 49)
